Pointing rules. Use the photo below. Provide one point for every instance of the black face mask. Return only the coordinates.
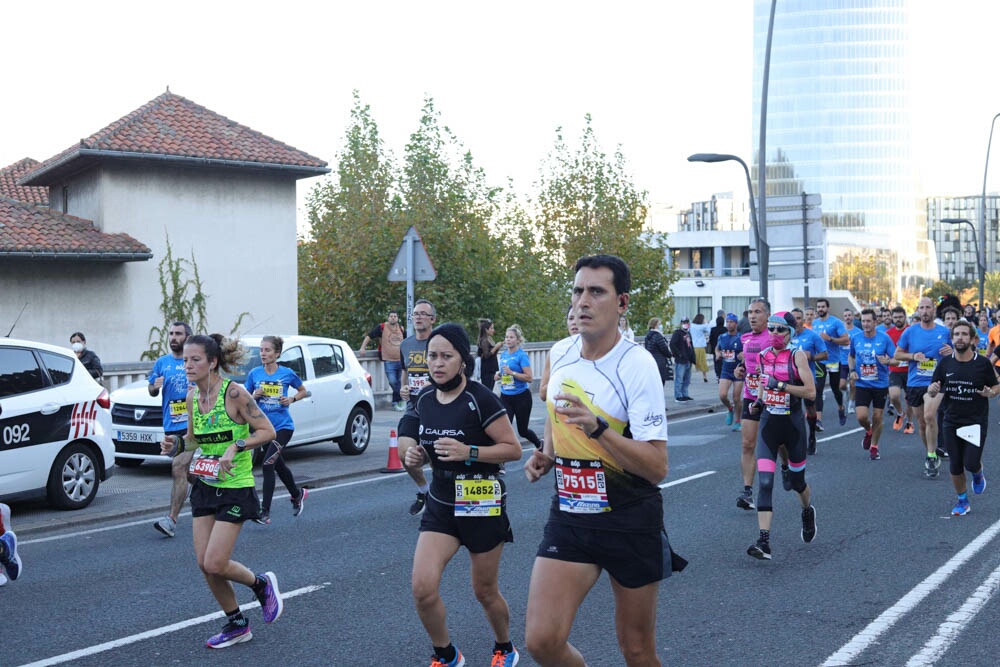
(448, 385)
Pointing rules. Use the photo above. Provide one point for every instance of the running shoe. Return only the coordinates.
(264, 518)
(898, 424)
(842, 415)
(459, 661)
(231, 634)
(760, 550)
(505, 658)
(931, 466)
(873, 453)
(729, 417)
(270, 599)
(979, 482)
(908, 429)
(418, 505)
(11, 561)
(166, 525)
(961, 508)
(850, 408)
(819, 425)
(299, 505)
(941, 453)
(786, 478)
(745, 501)
(399, 406)
(808, 524)
(738, 426)
(811, 448)
(891, 411)
(866, 442)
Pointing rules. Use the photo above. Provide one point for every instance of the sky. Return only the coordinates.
(661, 79)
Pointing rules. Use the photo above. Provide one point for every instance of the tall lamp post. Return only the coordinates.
(975, 244)
(761, 247)
(982, 217)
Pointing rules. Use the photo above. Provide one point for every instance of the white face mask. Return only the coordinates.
(77, 347)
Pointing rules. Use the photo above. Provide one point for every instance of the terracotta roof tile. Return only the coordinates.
(174, 126)
(29, 230)
(26, 193)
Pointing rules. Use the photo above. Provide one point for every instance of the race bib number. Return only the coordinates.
(205, 467)
(477, 497)
(833, 366)
(271, 389)
(926, 368)
(507, 380)
(729, 355)
(753, 383)
(178, 411)
(581, 486)
(868, 372)
(777, 402)
(417, 382)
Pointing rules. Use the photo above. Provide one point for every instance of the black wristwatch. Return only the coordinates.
(241, 446)
(602, 426)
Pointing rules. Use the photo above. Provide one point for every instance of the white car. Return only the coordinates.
(339, 408)
(55, 429)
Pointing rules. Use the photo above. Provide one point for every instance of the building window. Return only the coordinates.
(65, 199)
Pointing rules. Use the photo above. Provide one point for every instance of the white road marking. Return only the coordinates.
(690, 478)
(840, 435)
(953, 626)
(157, 632)
(868, 636)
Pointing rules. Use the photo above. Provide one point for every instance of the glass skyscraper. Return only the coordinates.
(839, 124)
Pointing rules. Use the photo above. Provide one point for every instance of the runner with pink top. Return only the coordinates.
(753, 343)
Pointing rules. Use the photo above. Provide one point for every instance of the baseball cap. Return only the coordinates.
(732, 316)
(685, 319)
(784, 318)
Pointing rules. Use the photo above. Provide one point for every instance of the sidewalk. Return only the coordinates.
(144, 492)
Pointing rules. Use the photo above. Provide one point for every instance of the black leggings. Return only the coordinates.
(963, 455)
(773, 432)
(518, 406)
(834, 387)
(282, 438)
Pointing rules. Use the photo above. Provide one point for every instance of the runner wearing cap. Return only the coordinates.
(727, 349)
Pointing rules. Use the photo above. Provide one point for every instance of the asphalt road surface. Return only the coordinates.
(891, 578)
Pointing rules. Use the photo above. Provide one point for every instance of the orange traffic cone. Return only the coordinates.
(394, 464)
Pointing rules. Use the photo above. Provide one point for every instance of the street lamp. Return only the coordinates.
(982, 218)
(760, 245)
(975, 244)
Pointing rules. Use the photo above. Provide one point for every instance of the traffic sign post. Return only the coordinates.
(412, 263)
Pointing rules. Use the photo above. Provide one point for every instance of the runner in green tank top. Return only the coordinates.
(223, 494)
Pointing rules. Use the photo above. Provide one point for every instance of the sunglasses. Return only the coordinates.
(778, 329)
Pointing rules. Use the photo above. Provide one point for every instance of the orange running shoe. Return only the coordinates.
(898, 424)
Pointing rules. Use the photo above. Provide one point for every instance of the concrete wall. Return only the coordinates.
(240, 225)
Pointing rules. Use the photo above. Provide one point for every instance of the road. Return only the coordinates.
(891, 578)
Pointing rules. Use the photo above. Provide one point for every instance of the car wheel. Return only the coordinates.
(128, 463)
(74, 479)
(358, 432)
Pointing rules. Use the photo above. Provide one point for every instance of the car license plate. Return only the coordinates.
(136, 436)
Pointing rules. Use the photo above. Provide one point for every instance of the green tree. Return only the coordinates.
(588, 204)
(343, 288)
(991, 288)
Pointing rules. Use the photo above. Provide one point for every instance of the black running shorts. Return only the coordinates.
(915, 396)
(864, 396)
(897, 380)
(633, 559)
(478, 534)
(230, 505)
(745, 413)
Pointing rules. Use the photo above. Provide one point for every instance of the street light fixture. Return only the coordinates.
(982, 217)
(975, 244)
(760, 245)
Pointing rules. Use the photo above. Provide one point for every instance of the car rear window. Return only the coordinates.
(327, 359)
(60, 367)
(19, 372)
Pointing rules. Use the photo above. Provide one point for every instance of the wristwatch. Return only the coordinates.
(602, 426)
(473, 455)
(241, 446)
(781, 386)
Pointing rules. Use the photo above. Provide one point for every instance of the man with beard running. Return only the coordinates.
(815, 350)
(168, 377)
(834, 334)
(967, 381)
(753, 343)
(785, 380)
(922, 345)
(897, 375)
(868, 367)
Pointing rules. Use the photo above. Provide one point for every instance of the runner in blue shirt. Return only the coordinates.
(728, 349)
(834, 334)
(922, 345)
(845, 351)
(806, 340)
(983, 347)
(269, 384)
(870, 356)
(169, 379)
(515, 383)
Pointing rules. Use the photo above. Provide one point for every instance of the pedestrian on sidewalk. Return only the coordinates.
(389, 335)
(656, 343)
(487, 353)
(700, 331)
(683, 353)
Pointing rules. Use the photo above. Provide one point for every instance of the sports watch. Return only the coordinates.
(602, 426)
(473, 455)
(241, 446)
